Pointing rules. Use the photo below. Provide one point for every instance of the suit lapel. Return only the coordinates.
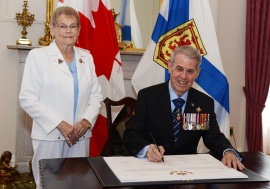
(190, 107)
(192, 102)
(80, 63)
(163, 99)
(166, 108)
(57, 58)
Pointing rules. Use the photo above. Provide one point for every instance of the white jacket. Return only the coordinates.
(47, 92)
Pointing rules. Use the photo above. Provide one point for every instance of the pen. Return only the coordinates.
(155, 143)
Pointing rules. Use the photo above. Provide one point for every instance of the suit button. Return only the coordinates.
(58, 137)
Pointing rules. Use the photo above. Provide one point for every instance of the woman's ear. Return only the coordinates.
(52, 28)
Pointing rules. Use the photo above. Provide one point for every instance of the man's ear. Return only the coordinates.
(169, 66)
(198, 72)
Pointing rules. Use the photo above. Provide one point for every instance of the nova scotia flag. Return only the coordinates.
(130, 26)
(186, 22)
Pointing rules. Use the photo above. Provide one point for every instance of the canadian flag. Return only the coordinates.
(98, 35)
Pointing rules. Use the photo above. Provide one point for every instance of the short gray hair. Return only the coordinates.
(66, 10)
(187, 50)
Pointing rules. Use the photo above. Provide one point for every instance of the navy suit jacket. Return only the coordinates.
(153, 114)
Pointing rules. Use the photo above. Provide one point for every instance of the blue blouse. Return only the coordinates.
(73, 70)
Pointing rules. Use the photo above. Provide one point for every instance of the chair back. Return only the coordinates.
(114, 145)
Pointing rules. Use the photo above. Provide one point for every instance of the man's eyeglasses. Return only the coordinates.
(64, 27)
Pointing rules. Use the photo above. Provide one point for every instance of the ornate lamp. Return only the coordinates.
(24, 19)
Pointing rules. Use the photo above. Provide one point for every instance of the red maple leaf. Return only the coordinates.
(101, 41)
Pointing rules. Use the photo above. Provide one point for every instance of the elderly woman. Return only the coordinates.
(60, 91)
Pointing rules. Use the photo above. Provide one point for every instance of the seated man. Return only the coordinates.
(158, 113)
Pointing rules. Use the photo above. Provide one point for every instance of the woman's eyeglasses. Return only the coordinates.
(64, 27)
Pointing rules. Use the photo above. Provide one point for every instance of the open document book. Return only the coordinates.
(175, 167)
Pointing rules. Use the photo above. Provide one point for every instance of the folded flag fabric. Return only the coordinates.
(130, 26)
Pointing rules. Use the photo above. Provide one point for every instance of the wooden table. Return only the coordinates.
(70, 173)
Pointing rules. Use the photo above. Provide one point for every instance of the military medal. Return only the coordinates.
(185, 124)
(198, 118)
(198, 109)
(189, 121)
(193, 120)
(202, 118)
(204, 121)
(207, 121)
(198, 121)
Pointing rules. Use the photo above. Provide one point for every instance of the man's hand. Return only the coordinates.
(67, 131)
(153, 154)
(81, 128)
(230, 160)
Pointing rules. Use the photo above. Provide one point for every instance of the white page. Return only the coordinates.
(175, 167)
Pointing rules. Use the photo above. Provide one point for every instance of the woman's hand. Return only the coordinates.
(81, 128)
(67, 131)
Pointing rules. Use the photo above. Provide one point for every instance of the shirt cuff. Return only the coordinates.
(230, 149)
(142, 153)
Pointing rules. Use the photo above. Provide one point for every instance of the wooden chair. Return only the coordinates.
(114, 145)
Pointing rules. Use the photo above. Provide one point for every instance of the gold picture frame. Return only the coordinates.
(47, 39)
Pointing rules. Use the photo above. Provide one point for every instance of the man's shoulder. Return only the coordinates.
(154, 88)
(197, 93)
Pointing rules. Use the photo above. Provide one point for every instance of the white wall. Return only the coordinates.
(231, 30)
(229, 17)
(9, 66)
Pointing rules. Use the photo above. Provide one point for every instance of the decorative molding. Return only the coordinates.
(8, 9)
(4, 11)
(20, 47)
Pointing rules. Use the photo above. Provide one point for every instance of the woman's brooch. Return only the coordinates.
(81, 61)
(60, 61)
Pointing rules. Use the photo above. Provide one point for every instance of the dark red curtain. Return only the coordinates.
(257, 70)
